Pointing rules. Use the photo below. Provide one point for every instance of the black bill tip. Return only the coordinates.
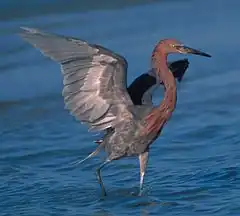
(195, 51)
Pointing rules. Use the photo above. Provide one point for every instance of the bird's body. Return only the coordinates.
(127, 140)
(95, 92)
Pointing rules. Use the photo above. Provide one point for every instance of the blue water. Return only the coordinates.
(194, 165)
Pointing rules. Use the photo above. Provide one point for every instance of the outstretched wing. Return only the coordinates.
(179, 68)
(94, 78)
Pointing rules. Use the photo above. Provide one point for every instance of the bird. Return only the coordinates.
(142, 88)
(95, 93)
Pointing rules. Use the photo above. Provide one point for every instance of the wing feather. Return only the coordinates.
(94, 78)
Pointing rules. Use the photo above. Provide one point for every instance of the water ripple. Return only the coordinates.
(194, 165)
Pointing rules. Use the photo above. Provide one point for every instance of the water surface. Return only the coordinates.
(194, 165)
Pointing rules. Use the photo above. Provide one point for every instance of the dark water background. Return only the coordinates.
(194, 165)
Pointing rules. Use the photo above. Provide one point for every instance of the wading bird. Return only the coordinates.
(95, 92)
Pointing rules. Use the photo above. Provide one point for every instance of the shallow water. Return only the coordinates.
(194, 165)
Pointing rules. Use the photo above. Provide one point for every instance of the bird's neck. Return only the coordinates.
(157, 118)
(168, 103)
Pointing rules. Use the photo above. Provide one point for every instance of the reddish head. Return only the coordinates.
(168, 46)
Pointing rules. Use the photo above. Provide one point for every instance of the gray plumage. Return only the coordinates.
(94, 90)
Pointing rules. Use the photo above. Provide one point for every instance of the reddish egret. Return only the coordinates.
(95, 93)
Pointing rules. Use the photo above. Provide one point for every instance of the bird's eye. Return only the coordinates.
(172, 45)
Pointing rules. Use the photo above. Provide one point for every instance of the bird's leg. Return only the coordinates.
(143, 159)
(100, 178)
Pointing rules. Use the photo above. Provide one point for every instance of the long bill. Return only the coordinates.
(194, 51)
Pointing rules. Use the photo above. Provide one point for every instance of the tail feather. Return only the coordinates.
(89, 156)
(98, 141)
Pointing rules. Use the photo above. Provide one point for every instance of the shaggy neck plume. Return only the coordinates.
(157, 118)
(168, 104)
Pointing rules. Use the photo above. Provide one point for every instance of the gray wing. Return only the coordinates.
(94, 78)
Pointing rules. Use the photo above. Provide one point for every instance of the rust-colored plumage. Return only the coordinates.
(157, 118)
(95, 93)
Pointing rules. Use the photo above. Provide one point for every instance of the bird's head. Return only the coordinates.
(169, 46)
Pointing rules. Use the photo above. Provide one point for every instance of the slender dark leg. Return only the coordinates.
(100, 178)
(143, 159)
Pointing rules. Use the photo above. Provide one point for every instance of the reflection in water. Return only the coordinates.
(128, 198)
(194, 165)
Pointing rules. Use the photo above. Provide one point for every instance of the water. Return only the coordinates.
(194, 165)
